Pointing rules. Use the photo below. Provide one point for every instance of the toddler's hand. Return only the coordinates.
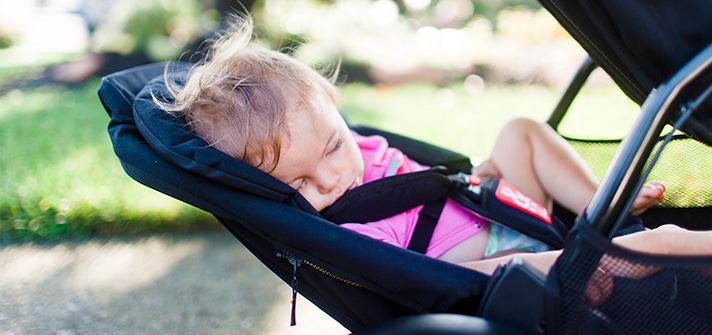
(487, 169)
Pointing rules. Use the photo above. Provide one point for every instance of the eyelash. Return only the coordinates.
(338, 146)
(302, 182)
(300, 185)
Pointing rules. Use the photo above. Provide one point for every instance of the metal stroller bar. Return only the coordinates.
(567, 97)
(609, 206)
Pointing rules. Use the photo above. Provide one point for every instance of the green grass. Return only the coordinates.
(469, 124)
(59, 177)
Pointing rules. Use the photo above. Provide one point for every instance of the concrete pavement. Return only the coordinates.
(203, 283)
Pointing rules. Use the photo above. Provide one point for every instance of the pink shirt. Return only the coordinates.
(455, 225)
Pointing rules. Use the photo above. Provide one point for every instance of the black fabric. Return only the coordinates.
(641, 44)
(424, 228)
(601, 44)
(661, 35)
(646, 46)
(696, 93)
(389, 196)
(441, 324)
(357, 280)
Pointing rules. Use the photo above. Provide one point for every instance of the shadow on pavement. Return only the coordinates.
(205, 283)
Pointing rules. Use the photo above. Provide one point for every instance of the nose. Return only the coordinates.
(328, 179)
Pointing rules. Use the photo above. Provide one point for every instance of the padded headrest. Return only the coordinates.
(170, 138)
(140, 131)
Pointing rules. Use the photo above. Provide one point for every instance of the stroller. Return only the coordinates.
(374, 288)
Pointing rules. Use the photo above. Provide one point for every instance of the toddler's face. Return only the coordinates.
(320, 159)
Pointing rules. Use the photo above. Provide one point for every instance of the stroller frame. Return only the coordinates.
(662, 106)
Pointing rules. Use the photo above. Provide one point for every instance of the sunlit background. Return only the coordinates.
(395, 41)
(449, 72)
(77, 235)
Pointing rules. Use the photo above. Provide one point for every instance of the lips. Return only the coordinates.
(354, 185)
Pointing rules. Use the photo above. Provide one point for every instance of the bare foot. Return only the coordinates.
(649, 194)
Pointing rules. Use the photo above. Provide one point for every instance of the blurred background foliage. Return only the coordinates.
(391, 40)
(163, 29)
(397, 41)
(409, 66)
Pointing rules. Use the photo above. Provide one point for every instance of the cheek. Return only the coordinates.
(313, 197)
(308, 194)
(355, 158)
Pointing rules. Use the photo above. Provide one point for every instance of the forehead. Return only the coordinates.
(310, 127)
(309, 132)
(317, 113)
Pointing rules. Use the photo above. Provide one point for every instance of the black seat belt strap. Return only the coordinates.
(427, 220)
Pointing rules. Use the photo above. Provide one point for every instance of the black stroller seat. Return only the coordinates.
(355, 279)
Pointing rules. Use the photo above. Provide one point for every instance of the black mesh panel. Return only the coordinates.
(608, 290)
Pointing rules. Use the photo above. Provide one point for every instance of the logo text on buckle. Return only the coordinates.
(512, 196)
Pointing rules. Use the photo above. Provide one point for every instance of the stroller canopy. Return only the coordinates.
(641, 43)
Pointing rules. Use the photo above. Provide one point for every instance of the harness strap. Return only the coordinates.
(379, 199)
(385, 197)
(427, 220)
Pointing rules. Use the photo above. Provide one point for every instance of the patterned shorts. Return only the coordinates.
(502, 238)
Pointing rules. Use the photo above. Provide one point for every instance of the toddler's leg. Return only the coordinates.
(533, 157)
(668, 240)
(664, 240)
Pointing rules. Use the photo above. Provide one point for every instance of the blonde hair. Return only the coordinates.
(237, 99)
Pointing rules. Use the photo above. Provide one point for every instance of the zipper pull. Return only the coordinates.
(295, 262)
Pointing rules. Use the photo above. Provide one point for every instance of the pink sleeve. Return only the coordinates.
(456, 224)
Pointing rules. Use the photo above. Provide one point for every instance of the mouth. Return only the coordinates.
(351, 187)
(354, 185)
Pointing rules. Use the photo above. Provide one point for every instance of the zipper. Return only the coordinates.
(296, 263)
(331, 274)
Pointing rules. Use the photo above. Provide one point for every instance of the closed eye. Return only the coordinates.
(299, 184)
(336, 147)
